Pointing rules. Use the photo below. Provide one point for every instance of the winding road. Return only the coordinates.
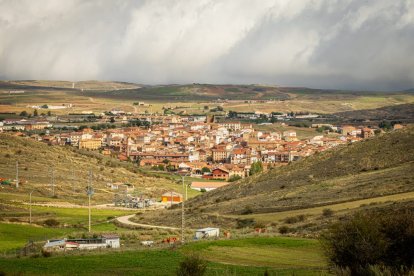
(125, 220)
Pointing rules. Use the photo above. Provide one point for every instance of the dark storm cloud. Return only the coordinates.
(332, 44)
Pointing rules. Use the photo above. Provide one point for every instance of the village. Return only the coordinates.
(200, 145)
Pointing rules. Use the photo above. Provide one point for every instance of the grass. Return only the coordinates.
(78, 215)
(287, 256)
(280, 252)
(340, 207)
(14, 236)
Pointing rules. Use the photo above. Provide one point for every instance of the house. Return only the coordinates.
(92, 144)
(171, 197)
(220, 154)
(367, 132)
(206, 233)
(346, 129)
(207, 186)
(231, 125)
(220, 173)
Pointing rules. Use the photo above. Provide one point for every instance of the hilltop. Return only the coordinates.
(403, 112)
(71, 167)
(373, 168)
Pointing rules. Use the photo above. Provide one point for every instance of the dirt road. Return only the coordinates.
(125, 220)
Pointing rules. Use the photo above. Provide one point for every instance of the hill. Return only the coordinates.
(86, 85)
(401, 112)
(357, 174)
(71, 168)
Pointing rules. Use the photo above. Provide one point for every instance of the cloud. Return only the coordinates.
(347, 44)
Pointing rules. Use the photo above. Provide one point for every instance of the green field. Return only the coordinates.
(279, 256)
(14, 236)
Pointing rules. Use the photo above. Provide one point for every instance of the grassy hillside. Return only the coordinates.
(370, 169)
(37, 160)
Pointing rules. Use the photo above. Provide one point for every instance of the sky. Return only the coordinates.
(336, 44)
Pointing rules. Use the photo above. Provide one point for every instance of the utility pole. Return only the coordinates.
(73, 175)
(52, 180)
(30, 207)
(182, 208)
(17, 174)
(89, 192)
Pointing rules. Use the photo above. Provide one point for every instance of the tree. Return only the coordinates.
(112, 120)
(206, 107)
(49, 113)
(370, 239)
(205, 170)
(232, 114)
(35, 113)
(257, 167)
(24, 114)
(385, 125)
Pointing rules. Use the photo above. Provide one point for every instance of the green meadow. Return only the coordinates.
(277, 255)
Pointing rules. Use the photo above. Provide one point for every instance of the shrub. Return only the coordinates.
(51, 222)
(46, 254)
(327, 212)
(242, 223)
(291, 220)
(283, 229)
(192, 265)
(247, 210)
(366, 240)
(234, 178)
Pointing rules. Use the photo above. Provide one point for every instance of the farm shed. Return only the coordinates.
(171, 197)
(207, 233)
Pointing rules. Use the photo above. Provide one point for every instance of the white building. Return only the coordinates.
(206, 233)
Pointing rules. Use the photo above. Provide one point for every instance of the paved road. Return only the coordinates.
(125, 220)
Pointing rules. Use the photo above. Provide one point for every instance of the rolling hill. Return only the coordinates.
(402, 112)
(359, 173)
(71, 168)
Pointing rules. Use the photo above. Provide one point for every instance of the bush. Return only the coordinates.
(234, 178)
(46, 254)
(242, 223)
(283, 229)
(295, 219)
(247, 210)
(327, 212)
(51, 222)
(366, 240)
(192, 265)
